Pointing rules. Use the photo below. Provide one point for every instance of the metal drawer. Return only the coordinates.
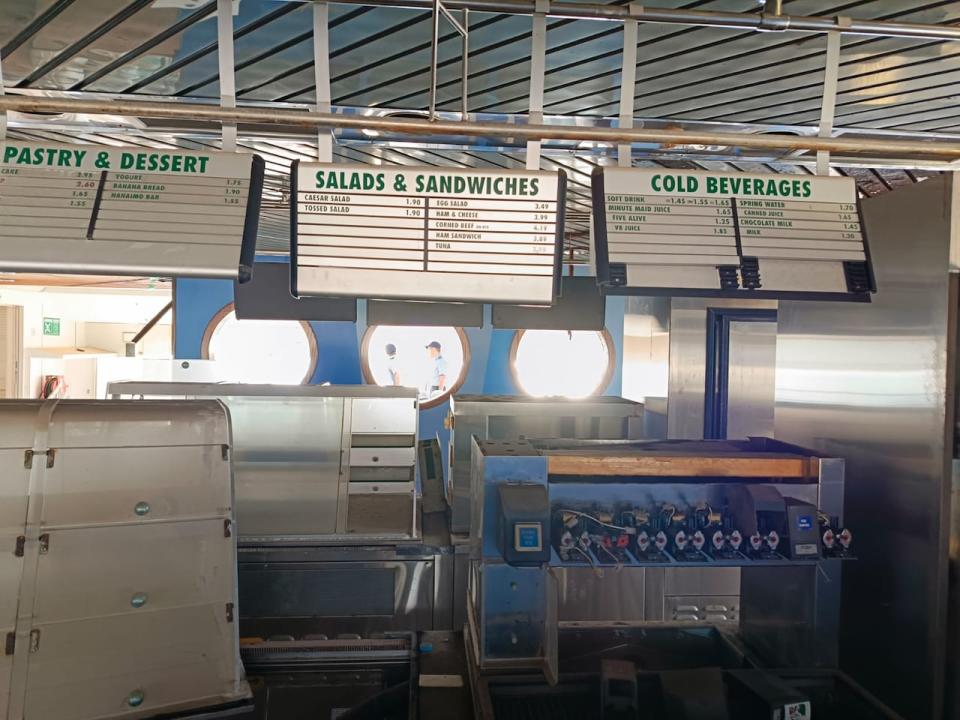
(385, 457)
(384, 415)
(88, 669)
(89, 486)
(151, 567)
(386, 513)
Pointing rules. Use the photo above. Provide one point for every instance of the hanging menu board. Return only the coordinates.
(729, 234)
(128, 210)
(426, 233)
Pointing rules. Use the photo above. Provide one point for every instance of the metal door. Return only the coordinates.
(740, 373)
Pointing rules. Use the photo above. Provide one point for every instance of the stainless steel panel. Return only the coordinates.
(655, 418)
(191, 564)
(617, 597)
(17, 423)
(14, 480)
(513, 614)
(215, 389)
(6, 664)
(869, 383)
(176, 658)
(688, 359)
(751, 379)
(952, 679)
(443, 591)
(385, 416)
(646, 351)
(394, 594)
(287, 464)
(164, 478)
(85, 424)
(461, 573)
(646, 594)
(701, 581)
(789, 615)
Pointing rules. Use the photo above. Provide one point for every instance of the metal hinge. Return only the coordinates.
(229, 612)
(34, 640)
(28, 457)
(10, 644)
(225, 452)
(21, 542)
(44, 543)
(227, 528)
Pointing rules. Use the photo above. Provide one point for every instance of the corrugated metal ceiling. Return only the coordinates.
(380, 58)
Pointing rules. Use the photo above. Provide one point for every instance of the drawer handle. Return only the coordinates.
(141, 508)
(138, 600)
(135, 698)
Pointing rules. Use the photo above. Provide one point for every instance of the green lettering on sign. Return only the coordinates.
(51, 326)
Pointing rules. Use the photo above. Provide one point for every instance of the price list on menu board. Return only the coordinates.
(729, 232)
(427, 233)
(127, 211)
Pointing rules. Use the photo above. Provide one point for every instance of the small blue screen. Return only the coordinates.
(529, 537)
(804, 522)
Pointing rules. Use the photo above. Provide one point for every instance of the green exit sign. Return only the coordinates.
(51, 326)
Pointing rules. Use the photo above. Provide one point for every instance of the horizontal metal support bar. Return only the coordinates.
(704, 18)
(412, 126)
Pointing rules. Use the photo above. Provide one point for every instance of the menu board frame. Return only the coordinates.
(743, 266)
(557, 264)
(100, 166)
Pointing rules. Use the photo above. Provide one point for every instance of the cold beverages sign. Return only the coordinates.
(700, 233)
(426, 233)
(127, 210)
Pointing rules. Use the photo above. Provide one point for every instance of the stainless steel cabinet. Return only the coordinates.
(118, 585)
(315, 464)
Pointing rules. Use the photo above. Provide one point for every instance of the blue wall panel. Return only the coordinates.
(198, 301)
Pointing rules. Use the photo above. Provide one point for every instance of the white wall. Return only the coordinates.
(114, 336)
(91, 318)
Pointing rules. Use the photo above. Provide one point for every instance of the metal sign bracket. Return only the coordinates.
(538, 59)
(321, 74)
(828, 105)
(628, 80)
(228, 83)
(462, 28)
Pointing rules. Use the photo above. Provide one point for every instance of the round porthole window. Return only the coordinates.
(434, 360)
(277, 352)
(561, 363)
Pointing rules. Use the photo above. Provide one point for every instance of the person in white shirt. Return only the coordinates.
(437, 382)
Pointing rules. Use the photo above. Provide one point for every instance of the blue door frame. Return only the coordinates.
(718, 364)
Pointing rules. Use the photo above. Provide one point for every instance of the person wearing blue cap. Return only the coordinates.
(437, 384)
